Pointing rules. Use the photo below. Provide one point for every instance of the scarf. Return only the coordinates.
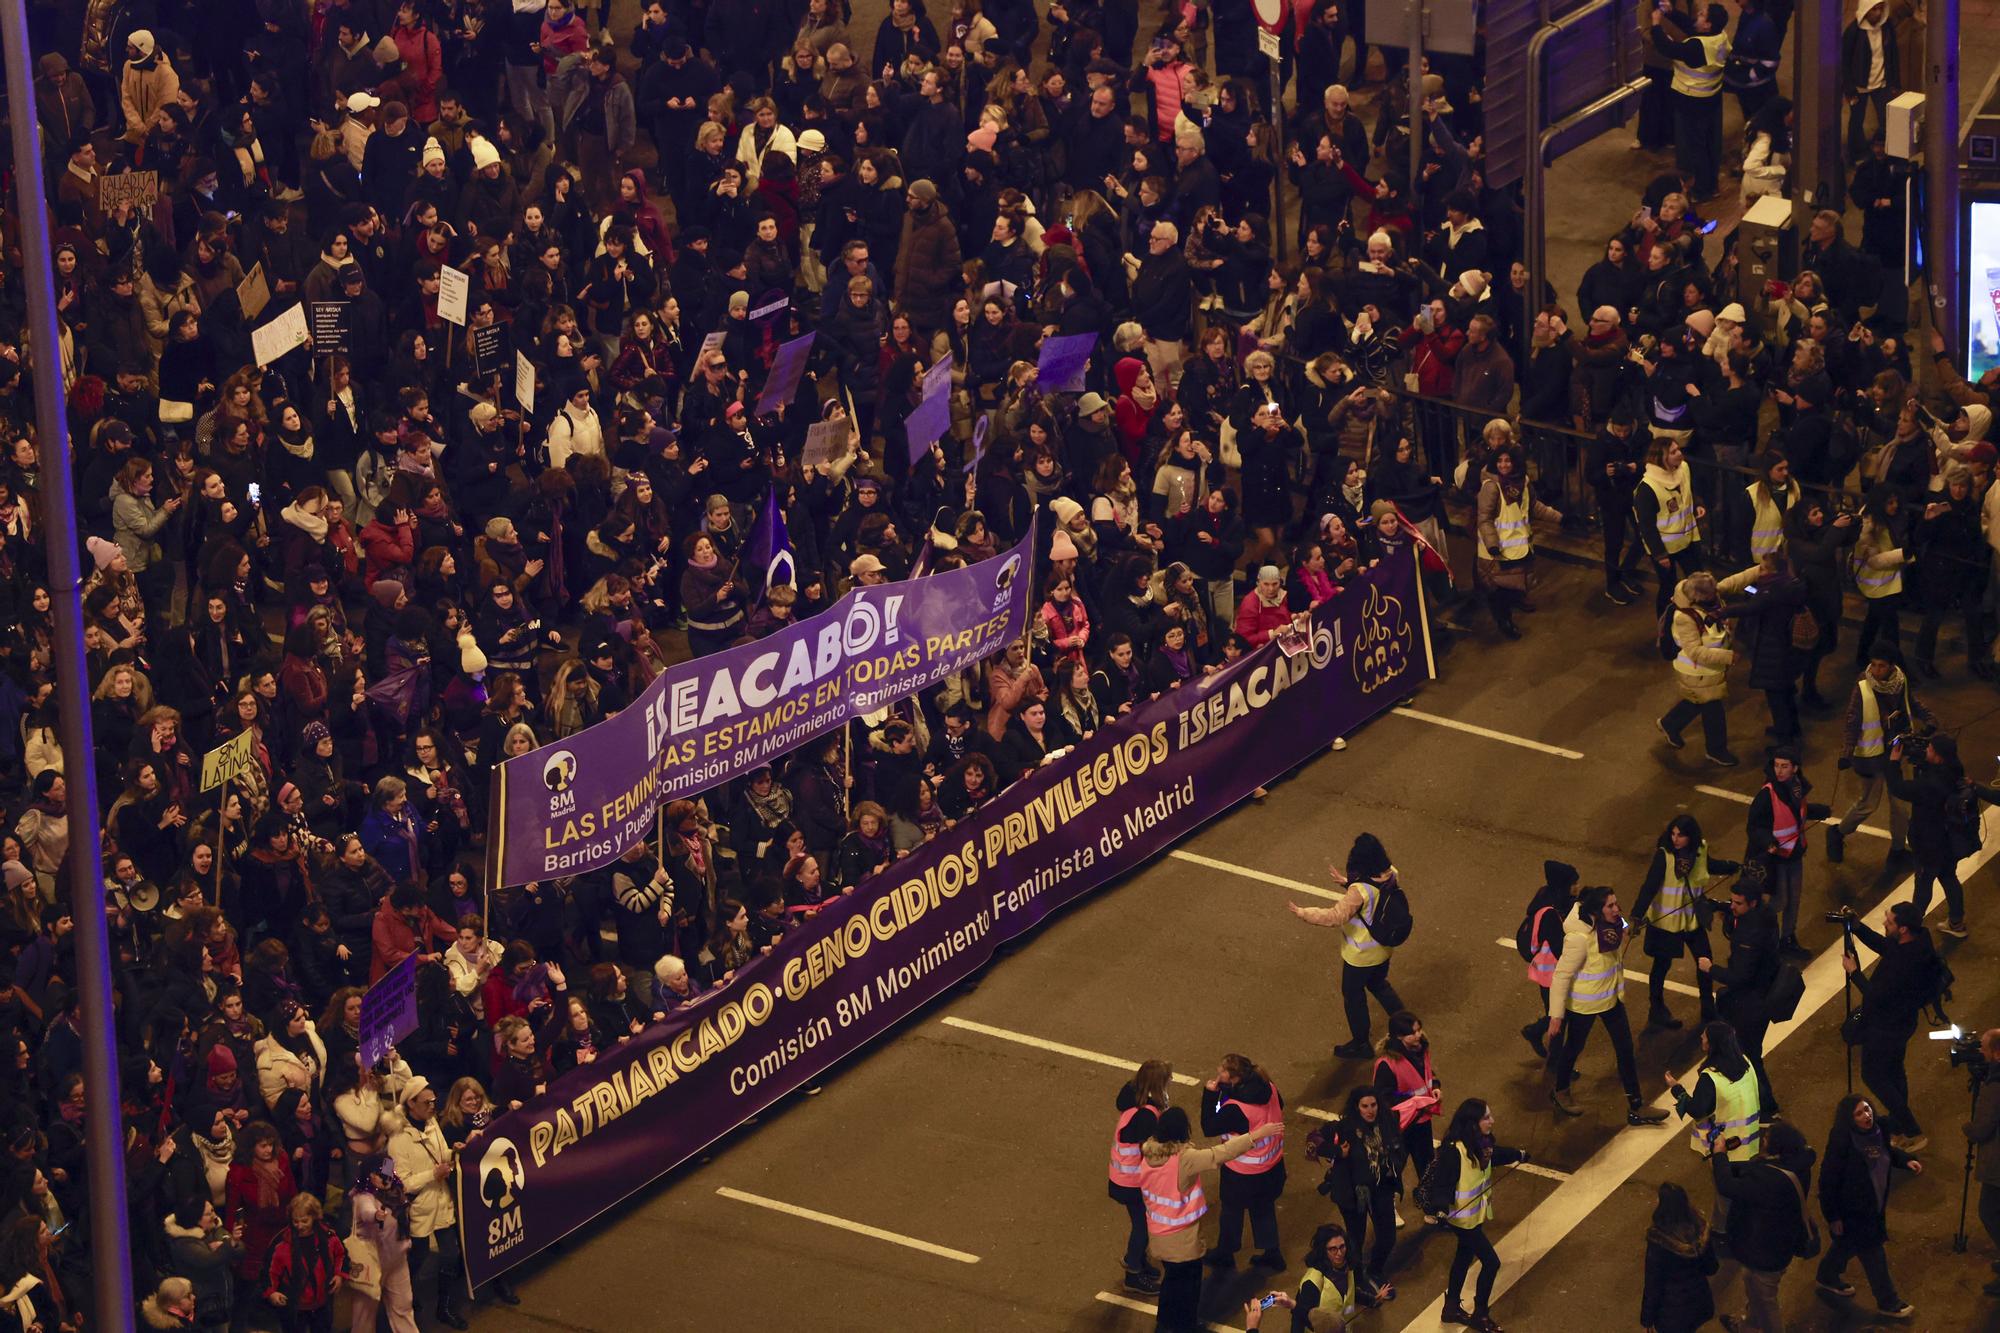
(1179, 661)
(1611, 935)
(269, 1176)
(298, 443)
(311, 524)
(773, 809)
(1145, 398)
(1352, 494)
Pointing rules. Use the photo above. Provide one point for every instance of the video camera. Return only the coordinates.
(1963, 1049)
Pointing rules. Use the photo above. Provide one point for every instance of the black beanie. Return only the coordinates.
(1366, 859)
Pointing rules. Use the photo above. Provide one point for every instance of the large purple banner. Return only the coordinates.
(871, 958)
(576, 805)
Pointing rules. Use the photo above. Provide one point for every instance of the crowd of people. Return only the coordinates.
(519, 462)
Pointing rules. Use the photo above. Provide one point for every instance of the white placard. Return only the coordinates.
(524, 382)
(824, 442)
(270, 341)
(454, 289)
(1267, 42)
(712, 343)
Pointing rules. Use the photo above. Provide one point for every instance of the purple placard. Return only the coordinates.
(389, 1010)
(932, 417)
(573, 806)
(787, 368)
(1063, 360)
(873, 957)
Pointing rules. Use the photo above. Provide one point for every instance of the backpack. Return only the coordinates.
(1961, 821)
(1435, 1192)
(1524, 935)
(1392, 922)
(1805, 630)
(1663, 637)
(1808, 1243)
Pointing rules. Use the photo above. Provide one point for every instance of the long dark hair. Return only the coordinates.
(1686, 824)
(1725, 1051)
(1464, 1129)
(1675, 1214)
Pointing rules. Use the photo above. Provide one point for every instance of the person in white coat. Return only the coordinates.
(424, 1164)
(378, 1247)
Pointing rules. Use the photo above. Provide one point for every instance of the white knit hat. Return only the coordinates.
(484, 154)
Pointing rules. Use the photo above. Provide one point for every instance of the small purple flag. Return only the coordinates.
(1063, 360)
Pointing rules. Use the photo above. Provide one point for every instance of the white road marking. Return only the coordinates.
(1113, 1298)
(1095, 1057)
(1677, 987)
(1534, 1237)
(841, 1223)
(1262, 877)
(1741, 799)
(1487, 732)
(1535, 1169)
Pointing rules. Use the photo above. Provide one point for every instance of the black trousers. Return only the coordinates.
(1784, 706)
(1945, 873)
(1472, 1245)
(1576, 1031)
(1381, 1211)
(1874, 1262)
(1882, 1069)
(1180, 1297)
(451, 1263)
(1656, 977)
(1714, 721)
(1618, 555)
(1263, 1213)
(1698, 140)
(1356, 985)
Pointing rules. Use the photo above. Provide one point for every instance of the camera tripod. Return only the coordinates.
(1976, 1074)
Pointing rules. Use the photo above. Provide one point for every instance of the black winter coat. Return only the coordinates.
(1766, 1221)
(1676, 1298)
(1764, 628)
(1846, 1191)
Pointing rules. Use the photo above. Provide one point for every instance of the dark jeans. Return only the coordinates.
(1954, 892)
(1417, 1140)
(1879, 621)
(1619, 555)
(1784, 711)
(1135, 1240)
(1857, 121)
(1656, 978)
(1882, 1055)
(1714, 722)
(1978, 639)
(1263, 1223)
(1180, 1297)
(1873, 1262)
(1472, 1245)
(1356, 985)
(1381, 1211)
(1698, 140)
(451, 1263)
(1681, 564)
(1576, 1031)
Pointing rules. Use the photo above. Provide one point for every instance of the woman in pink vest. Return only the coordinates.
(1409, 1086)
(1140, 1102)
(1236, 1101)
(1170, 1186)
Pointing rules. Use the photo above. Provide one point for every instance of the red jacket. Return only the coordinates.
(1257, 622)
(387, 546)
(394, 940)
(1432, 357)
(261, 1224)
(423, 69)
(303, 1267)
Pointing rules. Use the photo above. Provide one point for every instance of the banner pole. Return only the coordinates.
(221, 838)
(496, 802)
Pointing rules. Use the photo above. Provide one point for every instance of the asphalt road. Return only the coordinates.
(982, 1147)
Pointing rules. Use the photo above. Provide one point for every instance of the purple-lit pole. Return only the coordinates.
(110, 1247)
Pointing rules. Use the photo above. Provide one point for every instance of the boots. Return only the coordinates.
(1836, 844)
(1532, 1034)
(447, 1313)
(1638, 1113)
(503, 1292)
(1659, 1017)
(1789, 947)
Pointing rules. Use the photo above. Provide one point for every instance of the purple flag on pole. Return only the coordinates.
(932, 418)
(770, 547)
(1060, 367)
(787, 368)
(389, 1010)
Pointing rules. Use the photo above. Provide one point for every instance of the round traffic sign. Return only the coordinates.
(1270, 13)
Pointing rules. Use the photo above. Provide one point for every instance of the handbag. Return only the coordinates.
(1226, 450)
(173, 412)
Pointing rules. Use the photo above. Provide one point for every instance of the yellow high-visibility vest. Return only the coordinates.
(1514, 529)
(1672, 909)
(1736, 1111)
(1767, 524)
(1675, 519)
(1704, 80)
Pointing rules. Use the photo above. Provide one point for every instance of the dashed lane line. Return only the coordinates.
(844, 1224)
(1540, 747)
(1143, 1307)
(1094, 1057)
(1261, 876)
